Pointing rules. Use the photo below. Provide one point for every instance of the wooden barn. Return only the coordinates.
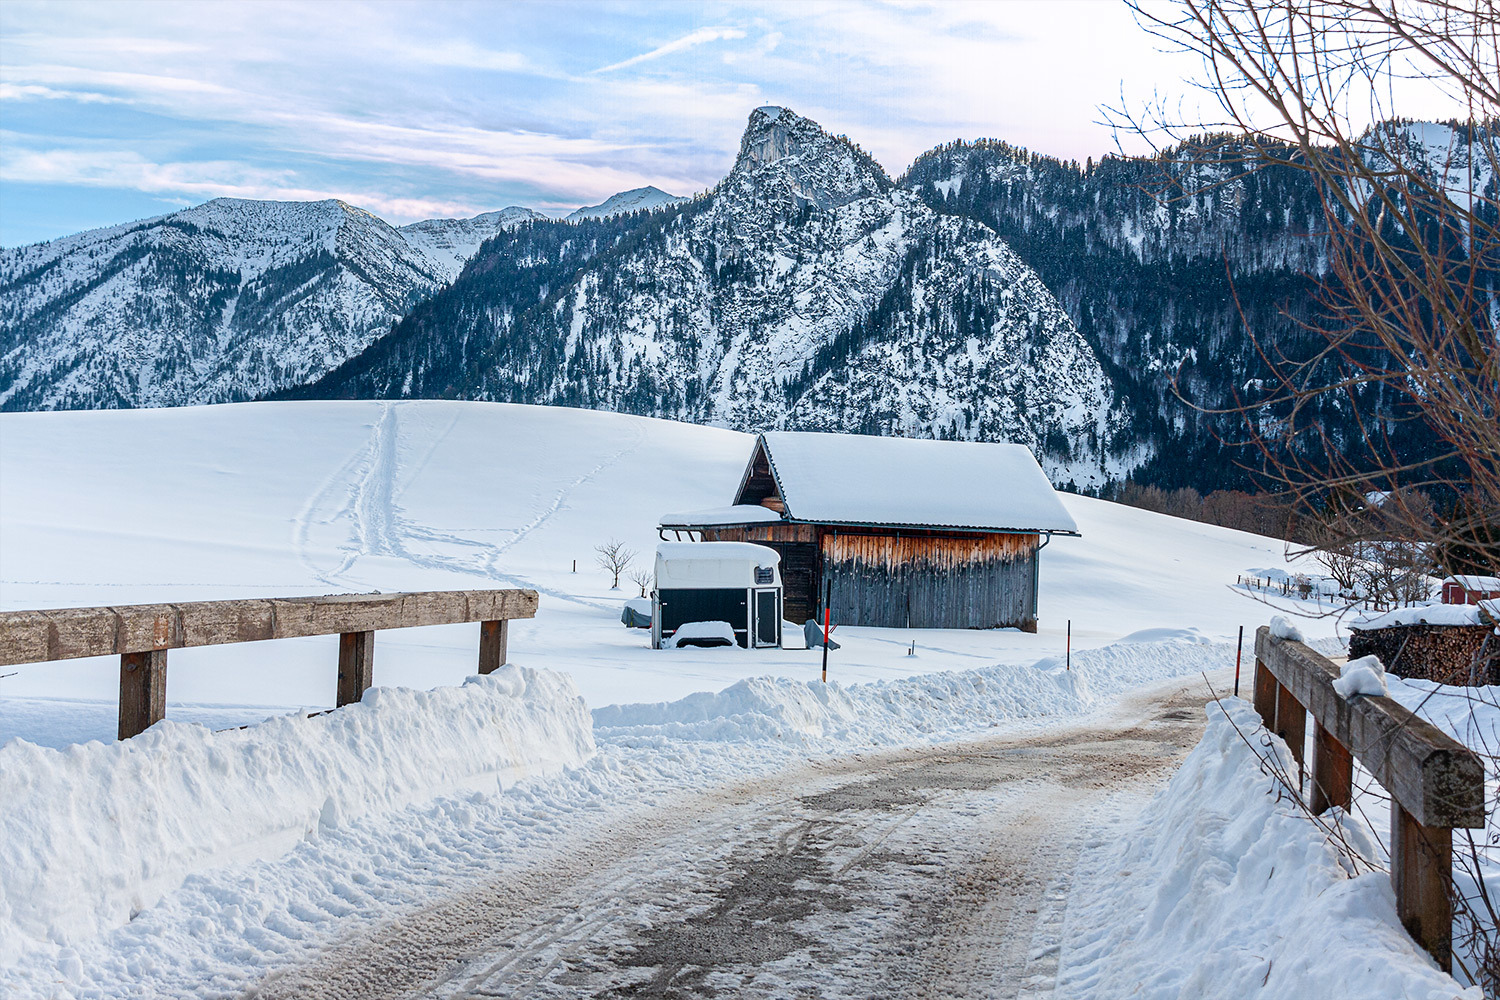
(903, 532)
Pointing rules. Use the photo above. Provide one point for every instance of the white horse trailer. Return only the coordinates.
(734, 582)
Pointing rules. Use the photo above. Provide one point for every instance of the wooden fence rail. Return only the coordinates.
(1435, 783)
(141, 634)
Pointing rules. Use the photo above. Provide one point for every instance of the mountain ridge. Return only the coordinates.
(803, 290)
(223, 301)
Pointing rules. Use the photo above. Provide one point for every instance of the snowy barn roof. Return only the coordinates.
(902, 482)
(745, 513)
(1480, 584)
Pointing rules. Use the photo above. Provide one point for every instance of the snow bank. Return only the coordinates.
(1423, 614)
(1365, 675)
(92, 834)
(1223, 888)
(916, 708)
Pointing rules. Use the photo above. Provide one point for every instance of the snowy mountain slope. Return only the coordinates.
(1181, 270)
(228, 300)
(804, 291)
(450, 243)
(634, 200)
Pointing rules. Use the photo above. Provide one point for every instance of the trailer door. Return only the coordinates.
(767, 618)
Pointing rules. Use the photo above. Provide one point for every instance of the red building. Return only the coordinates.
(1470, 589)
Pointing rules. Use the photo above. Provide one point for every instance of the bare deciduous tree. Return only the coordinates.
(641, 578)
(1409, 297)
(613, 557)
(1405, 333)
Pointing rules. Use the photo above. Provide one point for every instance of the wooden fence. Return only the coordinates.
(1435, 783)
(141, 634)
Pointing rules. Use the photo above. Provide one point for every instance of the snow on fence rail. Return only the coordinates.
(1435, 782)
(141, 634)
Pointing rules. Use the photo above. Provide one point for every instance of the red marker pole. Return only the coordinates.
(827, 620)
(1239, 650)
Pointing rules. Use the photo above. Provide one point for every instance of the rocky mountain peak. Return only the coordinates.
(783, 153)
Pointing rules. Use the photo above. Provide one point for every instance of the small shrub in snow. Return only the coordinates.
(614, 558)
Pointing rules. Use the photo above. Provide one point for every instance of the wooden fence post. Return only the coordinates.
(1291, 725)
(1422, 870)
(356, 666)
(492, 638)
(143, 691)
(1265, 695)
(1333, 772)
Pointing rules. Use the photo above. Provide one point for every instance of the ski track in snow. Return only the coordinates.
(367, 494)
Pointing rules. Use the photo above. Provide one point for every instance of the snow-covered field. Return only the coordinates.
(136, 869)
(273, 499)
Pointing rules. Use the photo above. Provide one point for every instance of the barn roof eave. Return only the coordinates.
(974, 528)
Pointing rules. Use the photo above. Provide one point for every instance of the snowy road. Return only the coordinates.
(924, 872)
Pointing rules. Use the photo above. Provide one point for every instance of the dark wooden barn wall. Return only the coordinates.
(983, 581)
(798, 548)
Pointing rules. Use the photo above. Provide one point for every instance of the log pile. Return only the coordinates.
(1449, 654)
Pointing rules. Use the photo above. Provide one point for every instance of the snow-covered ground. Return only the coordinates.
(1221, 887)
(111, 885)
(272, 499)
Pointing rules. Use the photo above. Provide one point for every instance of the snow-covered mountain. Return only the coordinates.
(634, 200)
(450, 243)
(805, 291)
(228, 300)
(1181, 270)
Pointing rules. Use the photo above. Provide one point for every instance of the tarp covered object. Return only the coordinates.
(814, 634)
(636, 613)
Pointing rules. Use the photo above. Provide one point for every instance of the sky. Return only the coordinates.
(116, 111)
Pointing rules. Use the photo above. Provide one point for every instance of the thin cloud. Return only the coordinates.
(463, 55)
(26, 92)
(699, 37)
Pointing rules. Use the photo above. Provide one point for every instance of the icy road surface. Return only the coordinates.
(921, 872)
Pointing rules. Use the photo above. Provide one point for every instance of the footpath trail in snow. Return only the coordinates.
(921, 872)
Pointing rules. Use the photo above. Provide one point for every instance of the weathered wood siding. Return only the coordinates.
(984, 581)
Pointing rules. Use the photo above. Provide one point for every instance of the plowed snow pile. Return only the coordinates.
(1221, 887)
(92, 835)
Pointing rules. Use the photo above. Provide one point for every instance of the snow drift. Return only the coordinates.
(1222, 887)
(922, 708)
(92, 834)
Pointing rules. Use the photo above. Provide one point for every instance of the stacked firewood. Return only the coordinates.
(1448, 654)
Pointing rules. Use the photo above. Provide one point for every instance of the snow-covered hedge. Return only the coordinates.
(1223, 888)
(91, 834)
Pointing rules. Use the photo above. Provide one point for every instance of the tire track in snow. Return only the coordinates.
(923, 872)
